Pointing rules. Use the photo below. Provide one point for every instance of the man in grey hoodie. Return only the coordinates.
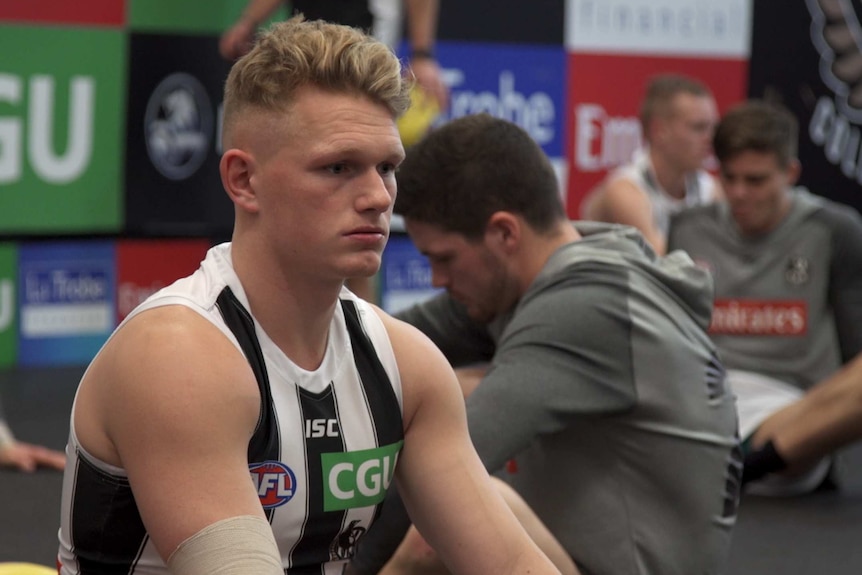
(604, 402)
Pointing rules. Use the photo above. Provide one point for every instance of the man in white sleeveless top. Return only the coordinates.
(248, 419)
(678, 116)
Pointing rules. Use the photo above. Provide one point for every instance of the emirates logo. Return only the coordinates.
(748, 317)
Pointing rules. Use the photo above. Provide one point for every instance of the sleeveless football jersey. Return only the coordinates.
(321, 458)
(787, 304)
(699, 189)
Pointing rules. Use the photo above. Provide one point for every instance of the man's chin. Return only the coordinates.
(365, 267)
(479, 315)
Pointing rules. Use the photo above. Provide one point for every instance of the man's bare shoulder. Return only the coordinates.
(166, 365)
(421, 364)
(406, 339)
(170, 337)
(409, 344)
(614, 194)
(620, 191)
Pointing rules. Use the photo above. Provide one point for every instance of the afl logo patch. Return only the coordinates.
(274, 481)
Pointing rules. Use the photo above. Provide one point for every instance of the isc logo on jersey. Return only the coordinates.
(315, 428)
(274, 481)
(358, 478)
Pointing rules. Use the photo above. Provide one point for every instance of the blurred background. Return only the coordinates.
(110, 121)
(109, 186)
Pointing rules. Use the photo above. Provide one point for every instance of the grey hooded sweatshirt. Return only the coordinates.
(604, 406)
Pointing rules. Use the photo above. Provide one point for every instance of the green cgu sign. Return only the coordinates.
(61, 109)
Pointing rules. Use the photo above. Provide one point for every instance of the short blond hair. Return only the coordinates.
(299, 52)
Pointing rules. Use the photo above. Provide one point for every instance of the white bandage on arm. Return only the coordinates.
(6, 437)
(241, 545)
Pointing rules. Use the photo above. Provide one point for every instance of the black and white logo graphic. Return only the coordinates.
(836, 33)
(835, 30)
(797, 271)
(344, 546)
(178, 126)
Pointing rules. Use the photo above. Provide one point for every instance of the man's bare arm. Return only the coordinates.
(464, 518)
(622, 202)
(237, 39)
(827, 418)
(422, 18)
(168, 396)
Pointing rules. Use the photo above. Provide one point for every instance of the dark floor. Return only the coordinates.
(819, 534)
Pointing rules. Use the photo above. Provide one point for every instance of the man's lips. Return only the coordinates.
(370, 230)
(367, 235)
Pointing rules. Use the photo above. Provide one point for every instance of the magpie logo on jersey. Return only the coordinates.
(796, 272)
(358, 478)
(275, 483)
(344, 546)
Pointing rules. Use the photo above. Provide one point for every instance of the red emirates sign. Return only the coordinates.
(759, 317)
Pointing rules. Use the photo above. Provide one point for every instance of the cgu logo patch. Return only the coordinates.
(275, 483)
(358, 478)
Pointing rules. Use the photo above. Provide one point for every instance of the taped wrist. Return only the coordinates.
(234, 546)
(762, 462)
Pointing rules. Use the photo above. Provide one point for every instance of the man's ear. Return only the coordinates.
(659, 129)
(794, 169)
(503, 230)
(236, 167)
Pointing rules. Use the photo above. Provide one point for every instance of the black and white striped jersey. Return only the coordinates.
(321, 458)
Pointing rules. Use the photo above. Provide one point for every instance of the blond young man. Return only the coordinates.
(248, 419)
(678, 117)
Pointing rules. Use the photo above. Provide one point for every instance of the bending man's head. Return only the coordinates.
(468, 169)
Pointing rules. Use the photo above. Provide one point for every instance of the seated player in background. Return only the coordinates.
(787, 269)
(678, 116)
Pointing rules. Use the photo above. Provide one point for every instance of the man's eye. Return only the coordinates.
(338, 168)
(387, 169)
